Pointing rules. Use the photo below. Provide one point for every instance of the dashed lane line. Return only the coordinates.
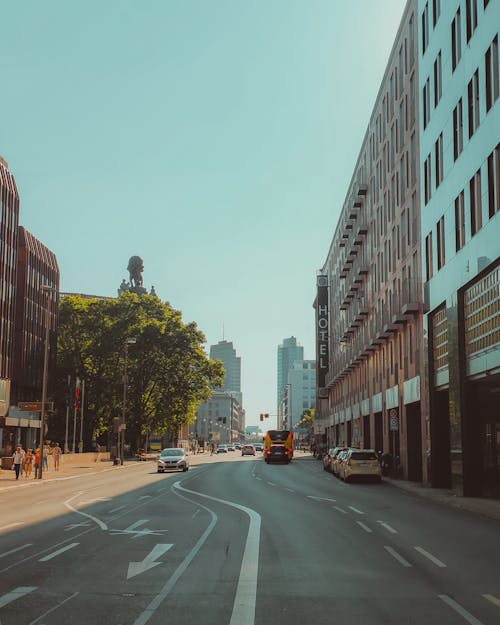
(53, 609)
(460, 610)
(387, 527)
(340, 509)
(290, 490)
(8, 553)
(117, 509)
(365, 527)
(430, 557)
(271, 484)
(493, 600)
(17, 593)
(355, 510)
(58, 552)
(397, 556)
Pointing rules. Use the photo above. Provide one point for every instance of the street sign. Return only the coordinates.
(393, 420)
(35, 406)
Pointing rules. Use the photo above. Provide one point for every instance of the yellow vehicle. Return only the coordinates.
(278, 446)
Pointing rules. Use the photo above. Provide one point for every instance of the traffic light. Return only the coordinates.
(261, 417)
(266, 415)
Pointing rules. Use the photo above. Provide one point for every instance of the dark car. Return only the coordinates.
(258, 446)
(277, 453)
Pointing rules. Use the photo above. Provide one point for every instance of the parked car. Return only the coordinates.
(327, 459)
(359, 463)
(231, 447)
(248, 450)
(172, 458)
(222, 449)
(259, 447)
(337, 460)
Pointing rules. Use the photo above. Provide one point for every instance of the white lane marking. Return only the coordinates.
(290, 490)
(6, 527)
(144, 497)
(196, 512)
(460, 610)
(387, 527)
(89, 501)
(74, 526)
(320, 498)
(493, 599)
(7, 553)
(37, 620)
(17, 593)
(165, 591)
(135, 525)
(271, 484)
(117, 509)
(355, 510)
(246, 591)
(396, 555)
(100, 523)
(149, 562)
(258, 478)
(136, 533)
(365, 527)
(161, 490)
(340, 509)
(58, 552)
(430, 556)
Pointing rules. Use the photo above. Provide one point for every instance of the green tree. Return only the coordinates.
(168, 371)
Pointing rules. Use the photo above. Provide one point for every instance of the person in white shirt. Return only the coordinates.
(18, 460)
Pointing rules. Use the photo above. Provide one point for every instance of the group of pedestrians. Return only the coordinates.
(27, 462)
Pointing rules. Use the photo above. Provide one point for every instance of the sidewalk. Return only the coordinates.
(486, 507)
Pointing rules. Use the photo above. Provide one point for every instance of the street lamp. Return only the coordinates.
(47, 289)
(121, 431)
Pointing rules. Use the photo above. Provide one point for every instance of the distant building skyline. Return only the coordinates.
(288, 352)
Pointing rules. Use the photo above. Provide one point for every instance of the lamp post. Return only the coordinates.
(47, 289)
(121, 432)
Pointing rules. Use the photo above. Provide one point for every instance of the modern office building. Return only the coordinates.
(369, 307)
(288, 353)
(460, 193)
(225, 352)
(300, 391)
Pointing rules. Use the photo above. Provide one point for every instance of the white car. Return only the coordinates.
(173, 459)
(360, 463)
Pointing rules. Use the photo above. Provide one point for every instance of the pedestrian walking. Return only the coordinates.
(17, 460)
(45, 457)
(37, 461)
(28, 463)
(56, 454)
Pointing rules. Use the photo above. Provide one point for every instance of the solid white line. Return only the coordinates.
(290, 490)
(100, 523)
(396, 555)
(355, 510)
(53, 608)
(144, 497)
(319, 498)
(58, 552)
(271, 484)
(387, 527)
(7, 553)
(365, 527)
(116, 509)
(460, 610)
(493, 600)
(6, 527)
(340, 509)
(258, 478)
(17, 593)
(430, 556)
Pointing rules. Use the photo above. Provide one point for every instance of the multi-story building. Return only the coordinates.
(460, 193)
(225, 352)
(288, 353)
(300, 391)
(373, 358)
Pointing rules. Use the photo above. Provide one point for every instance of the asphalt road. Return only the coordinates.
(237, 542)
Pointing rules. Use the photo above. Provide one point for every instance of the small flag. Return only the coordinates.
(78, 392)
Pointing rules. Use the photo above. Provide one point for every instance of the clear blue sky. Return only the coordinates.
(214, 138)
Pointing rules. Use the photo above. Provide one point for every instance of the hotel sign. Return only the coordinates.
(322, 359)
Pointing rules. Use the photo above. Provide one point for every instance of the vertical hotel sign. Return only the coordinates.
(322, 359)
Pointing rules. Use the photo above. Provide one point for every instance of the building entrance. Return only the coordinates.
(414, 442)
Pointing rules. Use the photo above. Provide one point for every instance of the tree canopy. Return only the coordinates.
(168, 371)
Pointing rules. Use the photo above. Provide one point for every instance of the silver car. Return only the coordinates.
(173, 459)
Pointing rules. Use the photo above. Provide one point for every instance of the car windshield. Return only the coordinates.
(363, 455)
(172, 452)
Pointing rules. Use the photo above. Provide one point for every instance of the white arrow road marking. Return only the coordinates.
(136, 533)
(100, 523)
(136, 568)
(73, 526)
(58, 552)
(17, 593)
(319, 498)
(7, 553)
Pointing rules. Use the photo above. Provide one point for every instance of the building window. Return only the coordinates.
(438, 85)
(426, 102)
(440, 243)
(411, 28)
(425, 28)
(470, 17)
(427, 179)
(473, 100)
(428, 256)
(459, 221)
(456, 40)
(436, 11)
(494, 181)
(438, 159)
(476, 220)
(458, 130)
(491, 70)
